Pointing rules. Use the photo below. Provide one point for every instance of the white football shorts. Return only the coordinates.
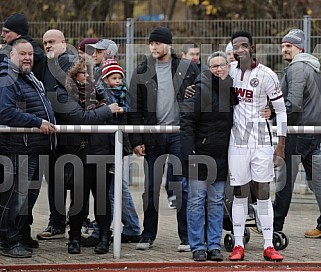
(248, 164)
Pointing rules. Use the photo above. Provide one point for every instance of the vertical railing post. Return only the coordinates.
(129, 72)
(307, 32)
(129, 48)
(118, 192)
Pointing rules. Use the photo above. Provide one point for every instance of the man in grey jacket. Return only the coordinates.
(300, 86)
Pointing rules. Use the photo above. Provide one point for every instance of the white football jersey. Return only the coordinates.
(254, 89)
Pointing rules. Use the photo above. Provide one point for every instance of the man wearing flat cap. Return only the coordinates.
(156, 89)
(300, 86)
(16, 27)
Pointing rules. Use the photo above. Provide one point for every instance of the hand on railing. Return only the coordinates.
(140, 150)
(47, 127)
(116, 109)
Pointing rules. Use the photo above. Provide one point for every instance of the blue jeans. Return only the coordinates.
(129, 216)
(18, 196)
(199, 191)
(298, 148)
(154, 167)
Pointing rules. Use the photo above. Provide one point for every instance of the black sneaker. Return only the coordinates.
(16, 251)
(89, 242)
(29, 243)
(215, 255)
(144, 243)
(199, 256)
(73, 246)
(51, 233)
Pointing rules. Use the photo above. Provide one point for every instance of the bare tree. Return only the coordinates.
(171, 9)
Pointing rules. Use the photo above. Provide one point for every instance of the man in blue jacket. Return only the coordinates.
(22, 104)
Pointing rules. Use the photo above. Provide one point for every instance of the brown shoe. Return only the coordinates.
(315, 233)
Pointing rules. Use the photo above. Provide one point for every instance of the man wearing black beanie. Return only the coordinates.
(161, 34)
(16, 27)
(156, 89)
(17, 23)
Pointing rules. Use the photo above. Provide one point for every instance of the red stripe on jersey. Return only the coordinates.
(273, 99)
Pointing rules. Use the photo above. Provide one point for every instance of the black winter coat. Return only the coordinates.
(206, 123)
(69, 111)
(143, 94)
(38, 55)
(55, 73)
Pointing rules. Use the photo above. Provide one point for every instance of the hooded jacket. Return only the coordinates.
(22, 105)
(301, 86)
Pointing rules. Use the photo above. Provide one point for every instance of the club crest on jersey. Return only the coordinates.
(277, 90)
(254, 82)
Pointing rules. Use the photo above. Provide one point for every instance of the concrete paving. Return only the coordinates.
(302, 216)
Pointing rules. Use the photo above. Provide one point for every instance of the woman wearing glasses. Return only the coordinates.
(78, 105)
(205, 130)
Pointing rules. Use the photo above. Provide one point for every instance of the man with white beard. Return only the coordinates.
(57, 64)
(58, 59)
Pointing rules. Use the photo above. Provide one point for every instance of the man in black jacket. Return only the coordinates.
(16, 27)
(56, 66)
(156, 90)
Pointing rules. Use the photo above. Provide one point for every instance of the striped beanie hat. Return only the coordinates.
(110, 67)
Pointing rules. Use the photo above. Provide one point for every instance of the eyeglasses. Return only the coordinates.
(215, 67)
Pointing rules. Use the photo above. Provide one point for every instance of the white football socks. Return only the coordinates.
(239, 214)
(265, 215)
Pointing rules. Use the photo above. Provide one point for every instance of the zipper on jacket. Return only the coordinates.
(204, 140)
(25, 139)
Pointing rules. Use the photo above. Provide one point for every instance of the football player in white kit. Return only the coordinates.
(251, 151)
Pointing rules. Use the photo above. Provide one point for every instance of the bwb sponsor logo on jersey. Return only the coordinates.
(244, 95)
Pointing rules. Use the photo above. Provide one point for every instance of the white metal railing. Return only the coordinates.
(119, 130)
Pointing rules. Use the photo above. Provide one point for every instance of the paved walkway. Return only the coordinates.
(303, 214)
